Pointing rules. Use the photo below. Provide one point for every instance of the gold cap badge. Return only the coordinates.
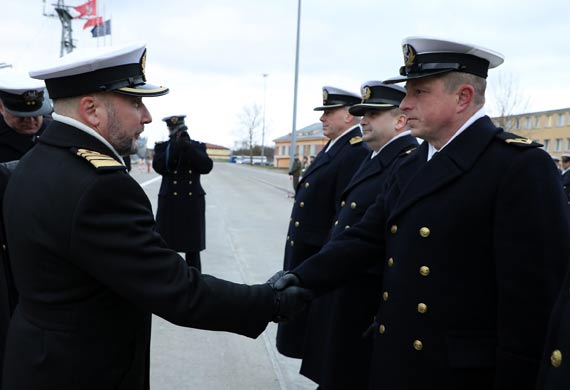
(409, 54)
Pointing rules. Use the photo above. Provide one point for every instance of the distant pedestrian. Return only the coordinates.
(295, 172)
(181, 213)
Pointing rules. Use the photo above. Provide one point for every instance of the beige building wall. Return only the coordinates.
(549, 128)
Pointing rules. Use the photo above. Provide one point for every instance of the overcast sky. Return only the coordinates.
(212, 54)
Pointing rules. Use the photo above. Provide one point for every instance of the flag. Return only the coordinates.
(96, 21)
(87, 9)
(101, 29)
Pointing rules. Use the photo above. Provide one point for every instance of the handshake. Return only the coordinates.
(290, 297)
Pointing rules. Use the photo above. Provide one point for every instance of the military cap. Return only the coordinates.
(119, 69)
(378, 96)
(565, 157)
(174, 121)
(430, 56)
(23, 96)
(335, 97)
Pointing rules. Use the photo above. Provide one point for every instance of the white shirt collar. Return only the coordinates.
(75, 123)
(479, 114)
(402, 134)
(339, 137)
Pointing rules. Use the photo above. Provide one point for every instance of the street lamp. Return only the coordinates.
(293, 135)
(263, 120)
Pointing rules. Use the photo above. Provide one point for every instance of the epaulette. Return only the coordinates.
(517, 140)
(408, 151)
(101, 162)
(355, 140)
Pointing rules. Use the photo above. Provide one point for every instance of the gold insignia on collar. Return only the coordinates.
(366, 93)
(409, 54)
(325, 96)
(355, 140)
(98, 160)
(520, 140)
(174, 120)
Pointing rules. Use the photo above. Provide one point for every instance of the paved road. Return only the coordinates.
(247, 214)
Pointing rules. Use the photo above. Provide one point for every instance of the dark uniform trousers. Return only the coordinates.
(90, 270)
(473, 246)
(316, 201)
(181, 213)
(336, 354)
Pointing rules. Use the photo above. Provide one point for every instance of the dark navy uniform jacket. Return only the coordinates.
(566, 185)
(316, 201)
(14, 145)
(90, 270)
(181, 213)
(336, 355)
(474, 246)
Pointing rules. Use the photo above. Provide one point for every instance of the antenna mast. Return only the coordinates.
(64, 16)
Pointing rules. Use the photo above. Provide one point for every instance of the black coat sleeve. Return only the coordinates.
(114, 240)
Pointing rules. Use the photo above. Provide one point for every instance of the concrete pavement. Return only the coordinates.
(247, 214)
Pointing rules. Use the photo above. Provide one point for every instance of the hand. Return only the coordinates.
(290, 298)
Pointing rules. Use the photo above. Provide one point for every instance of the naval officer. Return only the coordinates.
(472, 236)
(181, 212)
(336, 355)
(88, 264)
(318, 197)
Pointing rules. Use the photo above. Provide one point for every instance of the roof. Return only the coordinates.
(213, 146)
(312, 131)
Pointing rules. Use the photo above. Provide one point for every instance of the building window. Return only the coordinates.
(567, 144)
(312, 150)
(548, 121)
(529, 122)
(558, 146)
(536, 122)
(546, 144)
(517, 123)
(560, 119)
(286, 150)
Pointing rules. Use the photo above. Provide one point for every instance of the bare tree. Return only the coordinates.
(509, 100)
(249, 120)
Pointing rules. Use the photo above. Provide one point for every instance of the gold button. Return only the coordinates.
(347, 226)
(353, 205)
(288, 238)
(175, 172)
(292, 243)
(385, 295)
(556, 358)
(302, 204)
(307, 185)
(393, 229)
(424, 232)
(174, 182)
(336, 222)
(190, 182)
(418, 345)
(3, 247)
(381, 329)
(422, 308)
(189, 194)
(190, 171)
(296, 223)
(176, 193)
(424, 271)
(390, 262)
(342, 203)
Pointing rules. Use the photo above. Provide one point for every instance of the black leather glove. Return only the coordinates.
(290, 298)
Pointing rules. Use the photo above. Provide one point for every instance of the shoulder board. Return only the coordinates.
(516, 140)
(408, 151)
(355, 140)
(100, 161)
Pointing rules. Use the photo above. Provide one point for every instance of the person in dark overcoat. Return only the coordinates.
(181, 213)
(23, 105)
(336, 355)
(295, 172)
(565, 162)
(88, 264)
(318, 197)
(471, 235)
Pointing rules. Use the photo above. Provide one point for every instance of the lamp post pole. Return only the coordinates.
(293, 135)
(263, 123)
